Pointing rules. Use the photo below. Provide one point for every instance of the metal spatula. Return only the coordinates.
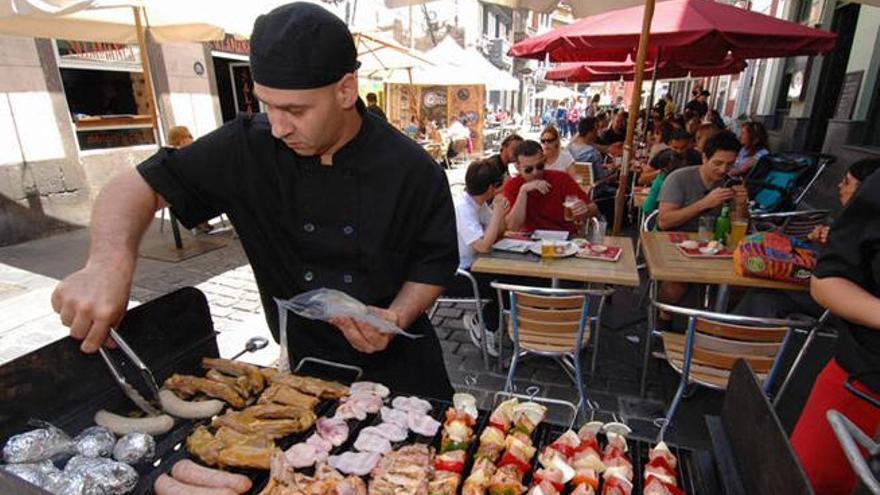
(130, 391)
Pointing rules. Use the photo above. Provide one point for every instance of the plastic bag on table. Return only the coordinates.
(326, 304)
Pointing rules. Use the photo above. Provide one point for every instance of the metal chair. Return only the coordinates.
(798, 223)
(478, 303)
(554, 323)
(648, 224)
(583, 173)
(706, 353)
(852, 440)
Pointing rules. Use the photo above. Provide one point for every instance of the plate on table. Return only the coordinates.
(550, 235)
(513, 245)
(704, 249)
(600, 252)
(561, 249)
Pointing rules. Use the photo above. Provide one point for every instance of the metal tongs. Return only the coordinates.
(130, 391)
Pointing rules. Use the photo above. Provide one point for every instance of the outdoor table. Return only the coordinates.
(666, 262)
(620, 272)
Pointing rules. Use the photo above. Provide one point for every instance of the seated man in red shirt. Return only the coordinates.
(537, 195)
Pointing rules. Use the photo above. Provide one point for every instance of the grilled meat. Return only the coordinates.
(312, 386)
(189, 386)
(282, 394)
(256, 380)
(403, 471)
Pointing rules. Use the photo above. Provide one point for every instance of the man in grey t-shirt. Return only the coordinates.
(693, 191)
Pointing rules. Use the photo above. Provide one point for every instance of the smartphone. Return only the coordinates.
(733, 181)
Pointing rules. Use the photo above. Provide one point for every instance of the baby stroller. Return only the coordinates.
(777, 184)
(779, 181)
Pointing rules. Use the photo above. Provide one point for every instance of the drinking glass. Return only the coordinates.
(568, 204)
(738, 230)
(596, 230)
(707, 228)
(547, 249)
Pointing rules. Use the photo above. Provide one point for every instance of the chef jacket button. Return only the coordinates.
(347, 278)
(309, 227)
(348, 230)
(308, 276)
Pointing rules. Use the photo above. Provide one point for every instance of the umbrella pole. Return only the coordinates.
(651, 96)
(148, 78)
(636, 100)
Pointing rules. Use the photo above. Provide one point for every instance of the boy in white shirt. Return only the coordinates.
(479, 226)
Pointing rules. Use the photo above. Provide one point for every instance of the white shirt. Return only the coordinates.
(458, 131)
(471, 221)
(562, 161)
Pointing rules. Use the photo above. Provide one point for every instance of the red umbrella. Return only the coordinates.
(682, 30)
(591, 72)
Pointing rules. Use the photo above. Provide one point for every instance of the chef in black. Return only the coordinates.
(321, 193)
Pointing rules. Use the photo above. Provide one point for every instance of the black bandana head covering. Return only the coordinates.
(301, 46)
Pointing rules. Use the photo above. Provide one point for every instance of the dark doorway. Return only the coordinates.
(832, 75)
(234, 88)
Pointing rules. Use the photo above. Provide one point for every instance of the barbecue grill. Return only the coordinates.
(60, 385)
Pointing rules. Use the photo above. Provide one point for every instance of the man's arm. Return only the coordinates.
(496, 226)
(93, 299)
(516, 218)
(847, 300)
(673, 215)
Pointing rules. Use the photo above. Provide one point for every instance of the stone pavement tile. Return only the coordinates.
(449, 350)
(459, 335)
(449, 312)
(24, 308)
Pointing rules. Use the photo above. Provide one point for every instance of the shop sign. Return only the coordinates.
(232, 44)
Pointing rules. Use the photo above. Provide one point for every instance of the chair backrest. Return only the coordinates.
(649, 224)
(548, 323)
(583, 172)
(802, 225)
(718, 345)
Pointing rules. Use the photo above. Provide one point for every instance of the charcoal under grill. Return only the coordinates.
(60, 385)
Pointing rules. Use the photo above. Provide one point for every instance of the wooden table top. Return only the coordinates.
(620, 272)
(666, 262)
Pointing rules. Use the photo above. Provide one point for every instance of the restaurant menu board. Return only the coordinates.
(849, 93)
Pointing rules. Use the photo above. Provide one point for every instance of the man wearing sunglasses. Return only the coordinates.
(536, 194)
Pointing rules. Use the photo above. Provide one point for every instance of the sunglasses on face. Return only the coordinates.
(548, 140)
(529, 168)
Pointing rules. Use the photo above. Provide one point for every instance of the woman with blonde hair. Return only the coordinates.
(179, 136)
(555, 157)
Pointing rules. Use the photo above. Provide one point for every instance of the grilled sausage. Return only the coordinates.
(175, 406)
(122, 425)
(188, 471)
(166, 485)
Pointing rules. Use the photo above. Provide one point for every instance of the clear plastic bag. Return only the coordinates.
(326, 304)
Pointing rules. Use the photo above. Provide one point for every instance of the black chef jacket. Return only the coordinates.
(853, 253)
(381, 215)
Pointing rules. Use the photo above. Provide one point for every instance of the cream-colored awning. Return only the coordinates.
(102, 20)
(470, 61)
